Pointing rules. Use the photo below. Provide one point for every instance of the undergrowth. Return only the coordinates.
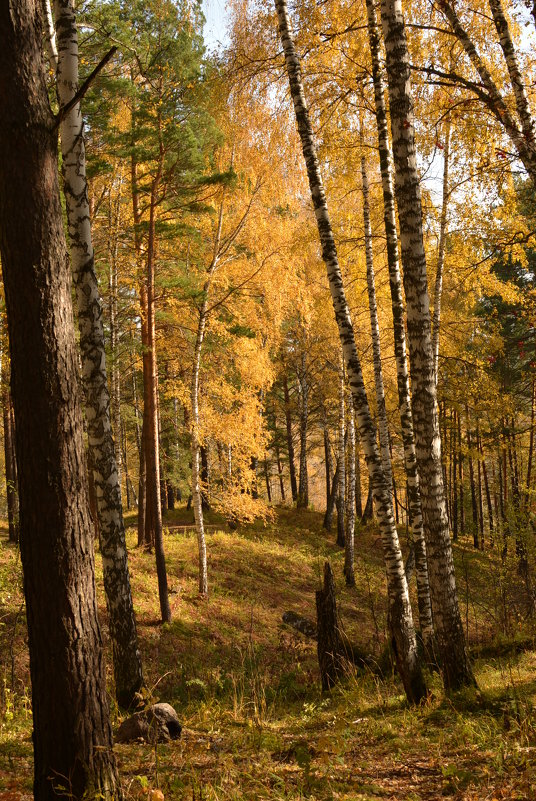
(246, 687)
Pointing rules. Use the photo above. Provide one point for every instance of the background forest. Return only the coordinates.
(239, 434)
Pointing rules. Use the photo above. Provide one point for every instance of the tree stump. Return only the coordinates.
(330, 651)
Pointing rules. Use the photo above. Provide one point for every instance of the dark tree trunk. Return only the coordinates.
(290, 443)
(72, 735)
(332, 500)
(205, 502)
(358, 499)
(369, 509)
(328, 462)
(330, 651)
(267, 479)
(10, 468)
(279, 469)
(303, 485)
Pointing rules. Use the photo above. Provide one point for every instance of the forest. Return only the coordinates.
(268, 390)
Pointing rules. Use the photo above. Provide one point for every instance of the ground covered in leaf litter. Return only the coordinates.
(246, 686)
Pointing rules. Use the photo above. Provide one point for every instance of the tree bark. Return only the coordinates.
(399, 332)
(72, 735)
(350, 501)
(303, 486)
(330, 651)
(400, 615)
(122, 622)
(10, 467)
(449, 635)
(341, 496)
(290, 443)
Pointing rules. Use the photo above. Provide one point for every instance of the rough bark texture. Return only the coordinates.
(399, 332)
(72, 735)
(303, 486)
(290, 442)
(400, 615)
(350, 501)
(330, 651)
(448, 625)
(10, 467)
(126, 656)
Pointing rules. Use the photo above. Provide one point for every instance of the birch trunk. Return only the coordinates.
(197, 498)
(399, 332)
(400, 615)
(290, 443)
(341, 499)
(375, 333)
(350, 500)
(449, 635)
(438, 287)
(72, 736)
(303, 486)
(126, 657)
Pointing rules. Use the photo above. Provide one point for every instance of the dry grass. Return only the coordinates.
(246, 686)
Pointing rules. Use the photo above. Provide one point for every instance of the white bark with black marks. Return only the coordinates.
(449, 633)
(127, 661)
(400, 615)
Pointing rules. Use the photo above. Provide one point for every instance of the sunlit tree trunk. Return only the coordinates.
(126, 657)
(290, 442)
(72, 736)
(399, 332)
(438, 287)
(350, 499)
(341, 498)
(400, 615)
(449, 635)
(303, 486)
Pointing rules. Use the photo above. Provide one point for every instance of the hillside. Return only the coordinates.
(246, 686)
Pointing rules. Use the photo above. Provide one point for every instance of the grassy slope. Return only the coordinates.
(246, 686)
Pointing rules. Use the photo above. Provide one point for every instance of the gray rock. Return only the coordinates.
(156, 724)
(301, 624)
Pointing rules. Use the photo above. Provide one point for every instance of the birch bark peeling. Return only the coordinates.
(400, 615)
(399, 334)
(449, 633)
(126, 657)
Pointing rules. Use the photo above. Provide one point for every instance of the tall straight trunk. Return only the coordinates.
(479, 475)
(328, 460)
(122, 623)
(531, 439)
(341, 498)
(460, 475)
(455, 477)
(438, 287)
(332, 500)
(153, 508)
(267, 480)
(113, 226)
(290, 443)
(449, 635)
(375, 333)
(195, 418)
(350, 500)
(303, 486)
(358, 499)
(142, 492)
(10, 467)
(399, 332)
(474, 508)
(72, 736)
(279, 469)
(204, 478)
(400, 615)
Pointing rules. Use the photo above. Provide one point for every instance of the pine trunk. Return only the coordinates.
(72, 736)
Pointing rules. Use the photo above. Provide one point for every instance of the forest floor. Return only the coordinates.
(246, 686)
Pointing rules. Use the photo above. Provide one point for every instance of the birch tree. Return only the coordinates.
(399, 333)
(72, 736)
(126, 657)
(450, 638)
(400, 615)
